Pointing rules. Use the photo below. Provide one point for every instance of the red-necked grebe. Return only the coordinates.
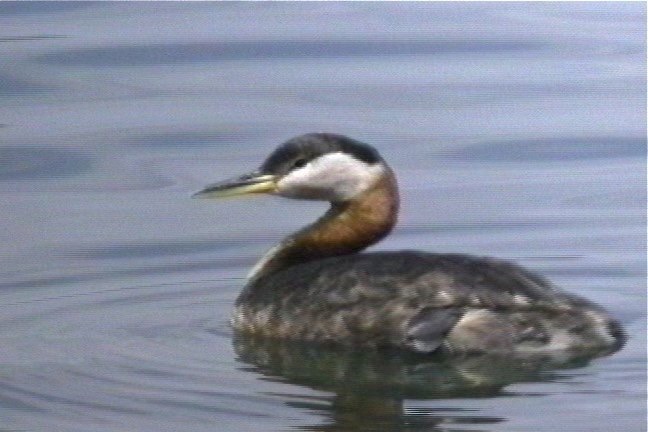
(315, 286)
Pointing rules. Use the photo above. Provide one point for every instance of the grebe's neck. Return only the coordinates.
(347, 227)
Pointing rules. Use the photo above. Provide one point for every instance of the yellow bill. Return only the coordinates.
(254, 183)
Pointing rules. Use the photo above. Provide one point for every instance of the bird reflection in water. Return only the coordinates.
(369, 388)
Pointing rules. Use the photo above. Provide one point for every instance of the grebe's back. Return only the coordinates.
(424, 302)
(314, 286)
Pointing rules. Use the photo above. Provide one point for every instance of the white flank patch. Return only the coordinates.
(331, 177)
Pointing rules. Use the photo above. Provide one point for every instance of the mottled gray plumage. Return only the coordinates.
(418, 301)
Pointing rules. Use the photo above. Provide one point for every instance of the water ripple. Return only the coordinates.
(19, 163)
(199, 52)
(556, 149)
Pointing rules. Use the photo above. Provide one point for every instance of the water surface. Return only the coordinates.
(516, 130)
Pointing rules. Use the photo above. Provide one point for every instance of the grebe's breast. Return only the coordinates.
(423, 302)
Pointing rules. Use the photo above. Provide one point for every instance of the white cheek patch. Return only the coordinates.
(331, 177)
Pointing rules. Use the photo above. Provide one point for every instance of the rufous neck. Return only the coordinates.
(347, 227)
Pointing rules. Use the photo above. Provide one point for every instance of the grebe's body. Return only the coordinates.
(315, 286)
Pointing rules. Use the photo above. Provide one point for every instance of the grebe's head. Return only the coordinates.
(317, 166)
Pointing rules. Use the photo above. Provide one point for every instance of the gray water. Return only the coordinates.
(516, 130)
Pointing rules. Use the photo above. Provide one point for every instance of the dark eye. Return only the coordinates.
(299, 163)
